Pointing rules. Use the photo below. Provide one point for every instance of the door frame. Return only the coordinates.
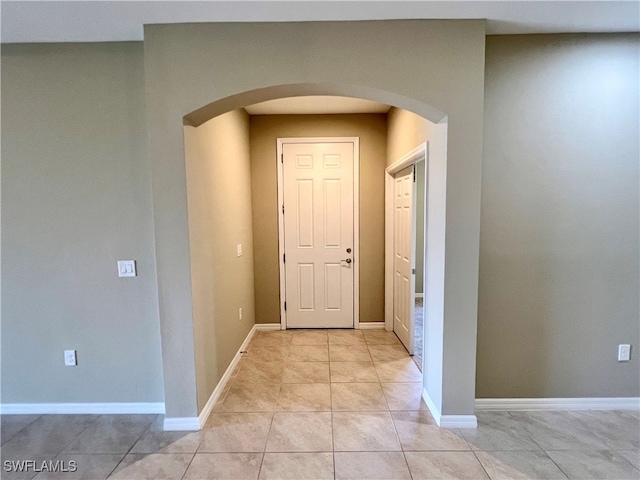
(421, 152)
(356, 219)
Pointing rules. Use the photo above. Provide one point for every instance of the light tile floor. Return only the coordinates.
(418, 332)
(328, 404)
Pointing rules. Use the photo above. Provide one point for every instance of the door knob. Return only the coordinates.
(348, 260)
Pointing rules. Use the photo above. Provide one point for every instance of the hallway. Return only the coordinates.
(328, 404)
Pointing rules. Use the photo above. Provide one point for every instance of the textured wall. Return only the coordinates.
(230, 65)
(76, 197)
(219, 203)
(559, 227)
(371, 129)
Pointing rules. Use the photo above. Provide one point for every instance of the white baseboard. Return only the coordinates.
(80, 408)
(419, 295)
(206, 411)
(181, 424)
(458, 421)
(435, 412)
(371, 325)
(268, 326)
(605, 403)
(449, 421)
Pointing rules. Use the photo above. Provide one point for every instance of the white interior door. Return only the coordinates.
(318, 197)
(404, 256)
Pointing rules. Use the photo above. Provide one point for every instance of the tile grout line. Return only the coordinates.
(615, 451)
(534, 441)
(131, 447)
(193, 456)
(25, 426)
(480, 462)
(266, 440)
(395, 429)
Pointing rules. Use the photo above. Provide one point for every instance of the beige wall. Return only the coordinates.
(191, 66)
(76, 198)
(219, 205)
(559, 277)
(405, 132)
(371, 129)
(559, 264)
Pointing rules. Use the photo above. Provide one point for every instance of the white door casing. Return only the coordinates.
(404, 256)
(317, 232)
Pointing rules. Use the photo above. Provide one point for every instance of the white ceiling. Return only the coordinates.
(316, 105)
(96, 21)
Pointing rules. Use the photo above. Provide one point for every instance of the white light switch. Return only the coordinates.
(239, 249)
(624, 353)
(126, 268)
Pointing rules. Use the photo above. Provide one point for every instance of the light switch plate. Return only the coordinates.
(624, 353)
(127, 268)
(239, 249)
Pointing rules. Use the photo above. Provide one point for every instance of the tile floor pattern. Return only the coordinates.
(329, 404)
(418, 332)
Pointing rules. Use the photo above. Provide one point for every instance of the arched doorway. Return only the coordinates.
(433, 374)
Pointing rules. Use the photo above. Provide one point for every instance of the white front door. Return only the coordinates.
(403, 256)
(318, 198)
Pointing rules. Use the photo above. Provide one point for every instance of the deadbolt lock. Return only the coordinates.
(348, 250)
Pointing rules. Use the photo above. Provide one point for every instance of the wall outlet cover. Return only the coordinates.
(70, 359)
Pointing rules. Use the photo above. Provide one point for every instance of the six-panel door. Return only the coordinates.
(318, 234)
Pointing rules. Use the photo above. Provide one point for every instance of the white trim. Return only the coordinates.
(356, 218)
(458, 421)
(417, 154)
(449, 421)
(80, 408)
(435, 413)
(181, 424)
(420, 295)
(267, 326)
(388, 251)
(188, 423)
(411, 158)
(280, 191)
(208, 407)
(371, 326)
(590, 403)
(356, 232)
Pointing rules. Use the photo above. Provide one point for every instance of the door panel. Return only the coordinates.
(403, 257)
(318, 230)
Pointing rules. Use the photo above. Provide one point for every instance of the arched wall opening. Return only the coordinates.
(230, 162)
(440, 69)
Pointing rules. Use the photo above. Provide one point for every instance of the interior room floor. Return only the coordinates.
(418, 332)
(327, 404)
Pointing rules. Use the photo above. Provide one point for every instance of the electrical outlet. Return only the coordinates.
(240, 313)
(70, 358)
(624, 353)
